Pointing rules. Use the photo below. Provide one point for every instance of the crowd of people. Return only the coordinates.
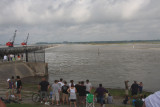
(14, 88)
(136, 93)
(136, 88)
(12, 57)
(71, 93)
(137, 101)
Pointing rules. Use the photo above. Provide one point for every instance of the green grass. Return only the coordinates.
(31, 88)
(116, 92)
(118, 106)
(23, 105)
(36, 105)
(113, 105)
(121, 92)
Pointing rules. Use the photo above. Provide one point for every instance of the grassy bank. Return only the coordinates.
(121, 92)
(23, 105)
(113, 92)
(29, 89)
(36, 105)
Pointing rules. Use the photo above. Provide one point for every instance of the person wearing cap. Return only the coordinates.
(126, 87)
(10, 87)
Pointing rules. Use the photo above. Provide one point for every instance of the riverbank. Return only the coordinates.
(30, 88)
(38, 105)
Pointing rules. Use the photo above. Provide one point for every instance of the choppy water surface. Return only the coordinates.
(111, 65)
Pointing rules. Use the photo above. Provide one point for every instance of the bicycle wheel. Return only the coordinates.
(35, 97)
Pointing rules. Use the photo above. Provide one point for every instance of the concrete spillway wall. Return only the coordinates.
(39, 69)
(22, 69)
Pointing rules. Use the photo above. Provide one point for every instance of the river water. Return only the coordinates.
(109, 64)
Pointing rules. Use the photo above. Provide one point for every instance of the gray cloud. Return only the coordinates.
(79, 20)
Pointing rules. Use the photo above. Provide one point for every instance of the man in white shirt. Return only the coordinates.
(5, 58)
(56, 90)
(153, 100)
(88, 86)
(11, 57)
(61, 84)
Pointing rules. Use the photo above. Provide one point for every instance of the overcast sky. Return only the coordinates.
(79, 20)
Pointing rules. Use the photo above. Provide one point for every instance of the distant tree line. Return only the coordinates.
(103, 42)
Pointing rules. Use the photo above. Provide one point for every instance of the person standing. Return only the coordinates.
(19, 88)
(100, 91)
(134, 88)
(71, 82)
(65, 92)
(82, 93)
(5, 58)
(44, 87)
(72, 90)
(11, 57)
(56, 91)
(10, 87)
(19, 57)
(126, 87)
(60, 84)
(88, 86)
(77, 86)
(14, 86)
(140, 88)
(8, 57)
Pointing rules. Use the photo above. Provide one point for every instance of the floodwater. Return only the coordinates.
(110, 64)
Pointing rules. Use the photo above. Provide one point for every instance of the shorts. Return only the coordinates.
(126, 92)
(55, 96)
(65, 96)
(100, 100)
(82, 99)
(134, 93)
(61, 95)
(9, 91)
(73, 100)
(18, 91)
(43, 94)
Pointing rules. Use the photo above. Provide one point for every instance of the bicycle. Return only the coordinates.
(36, 97)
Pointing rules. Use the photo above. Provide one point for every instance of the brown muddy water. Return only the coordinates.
(107, 64)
